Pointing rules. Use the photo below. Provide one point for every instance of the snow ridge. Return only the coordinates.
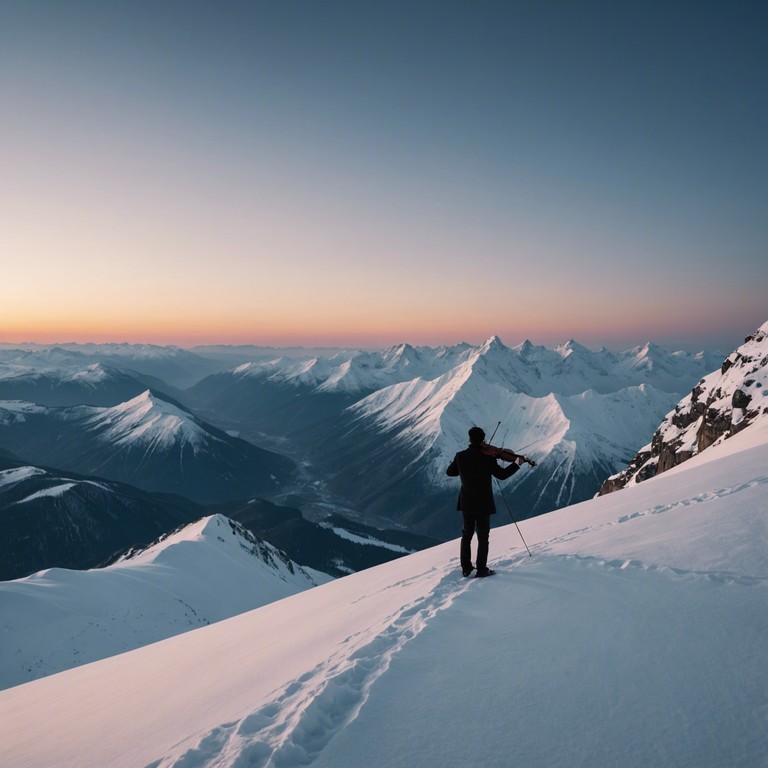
(200, 574)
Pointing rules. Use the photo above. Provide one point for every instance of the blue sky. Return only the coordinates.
(351, 172)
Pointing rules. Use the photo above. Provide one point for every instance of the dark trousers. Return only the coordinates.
(481, 524)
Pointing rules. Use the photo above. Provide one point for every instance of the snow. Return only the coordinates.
(78, 370)
(56, 490)
(19, 474)
(568, 369)
(148, 420)
(722, 402)
(206, 572)
(177, 366)
(12, 411)
(349, 536)
(580, 414)
(636, 635)
(583, 428)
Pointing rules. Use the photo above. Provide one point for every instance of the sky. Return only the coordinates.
(359, 173)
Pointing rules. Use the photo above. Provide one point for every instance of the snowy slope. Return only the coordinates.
(151, 422)
(434, 417)
(636, 635)
(205, 572)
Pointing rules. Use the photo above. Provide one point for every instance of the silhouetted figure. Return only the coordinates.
(476, 469)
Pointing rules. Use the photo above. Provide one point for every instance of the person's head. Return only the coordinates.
(476, 435)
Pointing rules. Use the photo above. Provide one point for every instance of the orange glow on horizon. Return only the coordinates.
(328, 334)
(348, 323)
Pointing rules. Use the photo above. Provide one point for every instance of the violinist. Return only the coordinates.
(476, 466)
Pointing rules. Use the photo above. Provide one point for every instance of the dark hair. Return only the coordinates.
(476, 435)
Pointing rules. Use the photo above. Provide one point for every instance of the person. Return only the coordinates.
(475, 501)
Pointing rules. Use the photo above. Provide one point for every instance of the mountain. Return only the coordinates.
(534, 370)
(380, 427)
(148, 441)
(55, 519)
(238, 354)
(249, 397)
(397, 442)
(178, 367)
(286, 395)
(50, 518)
(91, 384)
(635, 635)
(334, 545)
(722, 404)
(200, 574)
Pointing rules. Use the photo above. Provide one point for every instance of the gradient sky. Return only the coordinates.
(369, 173)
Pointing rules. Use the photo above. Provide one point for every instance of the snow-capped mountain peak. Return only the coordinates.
(200, 574)
(404, 349)
(493, 344)
(148, 418)
(572, 347)
(93, 373)
(220, 533)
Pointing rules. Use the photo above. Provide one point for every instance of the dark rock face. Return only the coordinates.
(741, 399)
(49, 518)
(720, 405)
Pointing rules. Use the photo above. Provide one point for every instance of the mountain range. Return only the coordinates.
(370, 431)
(380, 427)
(177, 367)
(50, 518)
(656, 590)
(634, 635)
(92, 384)
(148, 441)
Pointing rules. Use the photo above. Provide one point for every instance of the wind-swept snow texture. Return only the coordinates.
(636, 635)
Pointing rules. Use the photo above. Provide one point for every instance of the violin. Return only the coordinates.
(504, 454)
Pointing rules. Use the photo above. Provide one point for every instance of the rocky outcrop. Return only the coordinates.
(720, 405)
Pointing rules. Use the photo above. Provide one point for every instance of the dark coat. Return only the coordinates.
(476, 470)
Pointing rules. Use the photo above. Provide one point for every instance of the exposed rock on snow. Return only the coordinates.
(723, 403)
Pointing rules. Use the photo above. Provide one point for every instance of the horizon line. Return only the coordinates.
(674, 346)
